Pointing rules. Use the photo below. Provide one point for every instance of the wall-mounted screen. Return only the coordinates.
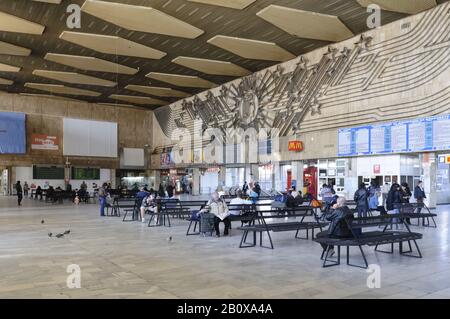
(12, 133)
(48, 172)
(425, 134)
(89, 138)
(85, 173)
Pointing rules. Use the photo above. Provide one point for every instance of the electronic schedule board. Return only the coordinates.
(418, 135)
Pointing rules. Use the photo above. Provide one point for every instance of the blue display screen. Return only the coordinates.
(425, 134)
(12, 133)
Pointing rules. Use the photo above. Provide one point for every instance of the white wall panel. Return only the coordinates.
(90, 138)
(133, 157)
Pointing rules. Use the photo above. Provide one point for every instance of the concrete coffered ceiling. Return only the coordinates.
(149, 53)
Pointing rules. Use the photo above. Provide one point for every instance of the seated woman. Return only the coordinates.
(219, 209)
(338, 228)
(148, 204)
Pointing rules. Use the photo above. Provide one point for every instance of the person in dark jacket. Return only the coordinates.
(245, 188)
(161, 191)
(19, 192)
(39, 193)
(170, 190)
(339, 217)
(394, 200)
(294, 198)
(406, 195)
(419, 195)
(361, 198)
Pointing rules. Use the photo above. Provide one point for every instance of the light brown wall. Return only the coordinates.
(44, 116)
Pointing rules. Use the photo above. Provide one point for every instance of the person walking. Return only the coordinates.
(19, 192)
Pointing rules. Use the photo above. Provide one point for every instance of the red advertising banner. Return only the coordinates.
(44, 142)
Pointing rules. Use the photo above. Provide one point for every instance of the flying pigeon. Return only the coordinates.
(59, 235)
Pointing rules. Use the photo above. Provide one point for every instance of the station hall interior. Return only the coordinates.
(230, 149)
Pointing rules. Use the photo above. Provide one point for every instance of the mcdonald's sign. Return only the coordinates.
(295, 146)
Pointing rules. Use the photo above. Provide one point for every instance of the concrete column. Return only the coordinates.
(113, 178)
(297, 174)
(222, 176)
(429, 167)
(254, 172)
(196, 181)
(276, 177)
(66, 176)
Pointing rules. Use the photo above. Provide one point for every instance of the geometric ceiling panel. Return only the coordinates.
(211, 66)
(144, 100)
(116, 104)
(74, 78)
(9, 68)
(252, 49)
(60, 89)
(49, 96)
(306, 24)
(111, 45)
(11, 49)
(50, 1)
(404, 6)
(12, 23)
(157, 91)
(234, 4)
(5, 82)
(133, 42)
(140, 18)
(89, 63)
(182, 80)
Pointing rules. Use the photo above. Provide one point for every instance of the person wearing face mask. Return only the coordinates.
(219, 209)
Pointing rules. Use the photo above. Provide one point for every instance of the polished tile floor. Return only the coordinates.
(130, 260)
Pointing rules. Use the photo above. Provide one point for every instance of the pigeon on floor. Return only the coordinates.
(59, 235)
(42, 221)
(50, 234)
(67, 232)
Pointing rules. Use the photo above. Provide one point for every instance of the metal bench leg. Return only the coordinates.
(329, 262)
(419, 253)
(243, 243)
(362, 254)
(384, 251)
(270, 239)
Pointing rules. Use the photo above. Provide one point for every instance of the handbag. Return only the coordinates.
(316, 204)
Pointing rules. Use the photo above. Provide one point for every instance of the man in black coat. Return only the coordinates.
(419, 195)
(19, 193)
(339, 216)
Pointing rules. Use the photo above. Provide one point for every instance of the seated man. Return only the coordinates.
(142, 193)
(148, 204)
(338, 227)
(238, 200)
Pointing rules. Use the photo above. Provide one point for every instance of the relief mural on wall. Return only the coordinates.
(317, 96)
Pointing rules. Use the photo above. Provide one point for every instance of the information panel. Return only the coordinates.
(425, 134)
